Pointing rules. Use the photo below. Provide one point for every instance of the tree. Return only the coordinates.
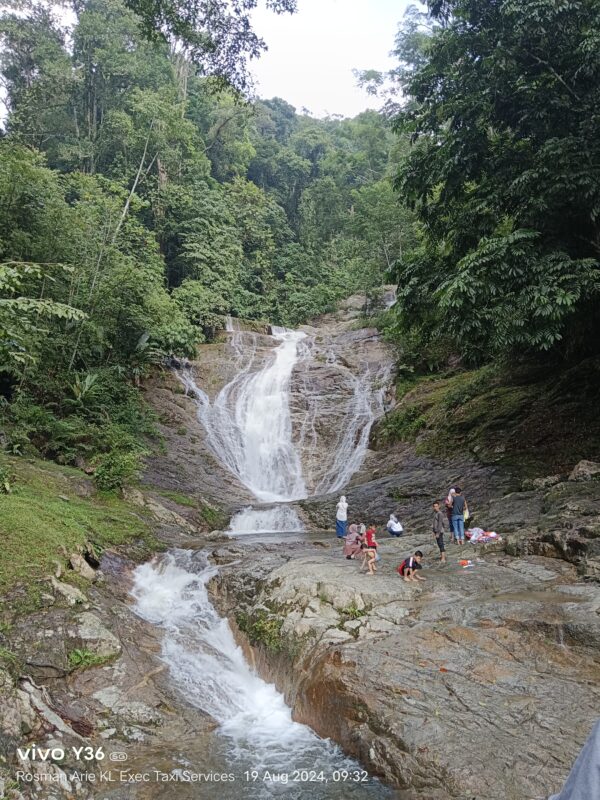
(504, 175)
(217, 34)
(142, 200)
(22, 317)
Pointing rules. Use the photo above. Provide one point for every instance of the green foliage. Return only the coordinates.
(72, 425)
(116, 469)
(179, 498)
(141, 202)
(504, 177)
(216, 33)
(10, 661)
(465, 390)
(213, 517)
(82, 659)
(6, 480)
(262, 629)
(402, 424)
(21, 331)
(201, 305)
(352, 611)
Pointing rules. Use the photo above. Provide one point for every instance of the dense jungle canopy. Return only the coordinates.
(144, 196)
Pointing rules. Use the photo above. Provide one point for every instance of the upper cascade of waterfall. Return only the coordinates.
(249, 424)
(250, 428)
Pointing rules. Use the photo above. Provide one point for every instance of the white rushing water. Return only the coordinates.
(363, 406)
(210, 671)
(277, 519)
(249, 425)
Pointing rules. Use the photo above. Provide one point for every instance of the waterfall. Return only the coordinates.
(210, 671)
(249, 429)
(249, 426)
(364, 406)
(277, 519)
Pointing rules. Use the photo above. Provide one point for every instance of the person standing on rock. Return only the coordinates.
(459, 507)
(448, 503)
(369, 547)
(439, 526)
(341, 517)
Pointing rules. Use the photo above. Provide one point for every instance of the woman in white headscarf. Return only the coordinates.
(341, 517)
(394, 526)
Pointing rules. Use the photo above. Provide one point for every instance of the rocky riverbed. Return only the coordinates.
(479, 683)
(482, 682)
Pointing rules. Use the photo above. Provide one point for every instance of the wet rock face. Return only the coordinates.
(456, 687)
(187, 465)
(338, 390)
(562, 521)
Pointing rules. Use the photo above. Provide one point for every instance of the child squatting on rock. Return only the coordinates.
(408, 568)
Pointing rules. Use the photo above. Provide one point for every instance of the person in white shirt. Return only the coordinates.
(341, 517)
(394, 526)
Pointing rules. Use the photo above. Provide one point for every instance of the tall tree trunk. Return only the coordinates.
(134, 187)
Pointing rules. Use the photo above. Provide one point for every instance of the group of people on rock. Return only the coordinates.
(360, 541)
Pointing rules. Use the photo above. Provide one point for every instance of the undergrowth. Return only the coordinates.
(524, 416)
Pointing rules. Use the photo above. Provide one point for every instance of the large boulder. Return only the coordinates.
(391, 670)
(81, 567)
(585, 471)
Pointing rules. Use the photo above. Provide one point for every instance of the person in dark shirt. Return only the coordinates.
(408, 568)
(438, 526)
(459, 506)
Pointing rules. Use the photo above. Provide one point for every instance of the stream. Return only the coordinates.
(209, 670)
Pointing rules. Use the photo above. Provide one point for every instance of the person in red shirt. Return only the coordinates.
(408, 568)
(369, 547)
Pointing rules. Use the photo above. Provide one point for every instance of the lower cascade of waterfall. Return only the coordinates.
(278, 519)
(210, 671)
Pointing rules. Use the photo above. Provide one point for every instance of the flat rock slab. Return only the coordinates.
(481, 682)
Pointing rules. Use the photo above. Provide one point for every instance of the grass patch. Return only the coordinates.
(44, 519)
(401, 425)
(211, 516)
(352, 612)
(82, 659)
(9, 661)
(177, 497)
